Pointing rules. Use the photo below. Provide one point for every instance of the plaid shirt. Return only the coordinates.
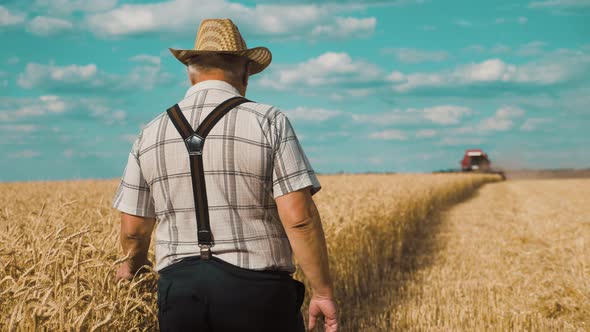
(250, 157)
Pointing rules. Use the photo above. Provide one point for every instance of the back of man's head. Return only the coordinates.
(233, 67)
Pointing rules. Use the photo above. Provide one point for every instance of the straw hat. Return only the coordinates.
(223, 36)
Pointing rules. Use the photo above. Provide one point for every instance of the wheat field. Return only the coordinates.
(514, 257)
(59, 248)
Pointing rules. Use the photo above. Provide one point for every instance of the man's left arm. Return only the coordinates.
(135, 239)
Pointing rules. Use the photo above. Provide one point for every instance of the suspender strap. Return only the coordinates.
(194, 141)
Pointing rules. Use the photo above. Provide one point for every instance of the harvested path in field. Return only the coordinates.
(515, 257)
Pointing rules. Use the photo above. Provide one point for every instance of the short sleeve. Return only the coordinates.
(291, 170)
(133, 195)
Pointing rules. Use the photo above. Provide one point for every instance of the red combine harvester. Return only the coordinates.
(476, 160)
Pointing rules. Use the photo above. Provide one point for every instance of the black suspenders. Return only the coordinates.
(194, 140)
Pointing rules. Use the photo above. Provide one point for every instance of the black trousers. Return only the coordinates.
(213, 295)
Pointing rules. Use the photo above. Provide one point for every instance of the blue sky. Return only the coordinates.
(402, 85)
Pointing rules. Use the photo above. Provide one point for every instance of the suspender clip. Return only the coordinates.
(205, 251)
(194, 144)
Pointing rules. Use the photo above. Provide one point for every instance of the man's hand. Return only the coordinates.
(326, 307)
(135, 241)
(125, 272)
(301, 220)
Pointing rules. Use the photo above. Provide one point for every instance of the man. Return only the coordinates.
(233, 202)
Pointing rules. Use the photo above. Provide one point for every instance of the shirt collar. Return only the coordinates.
(212, 84)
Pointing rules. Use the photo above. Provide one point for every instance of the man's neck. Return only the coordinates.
(218, 76)
(210, 75)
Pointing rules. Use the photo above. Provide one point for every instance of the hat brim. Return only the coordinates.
(260, 57)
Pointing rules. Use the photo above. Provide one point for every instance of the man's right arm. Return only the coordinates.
(301, 220)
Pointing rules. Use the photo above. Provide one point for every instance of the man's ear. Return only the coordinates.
(190, 77)
(246, 74)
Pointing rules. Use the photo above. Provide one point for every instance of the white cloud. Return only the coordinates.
(119, 115)
(395, 116)
(48, 26)
(345, 27)
(502, 120)
(445, 114)
(53, 103)
(87, 78)
(475, 48)
(395, 76)
(463, 23)
(531, 49)
(425, 133)
(560, 4)
(497, 49)
(501, 48)
(311, 114)
(8, 18)
(390, 134)
(534, 48)
(37, 74)
(146, 77)
(497, 124)
(355, 77)
(24, 154)
(510, 112)
(328, 69)
(105, 113)
(343, 93)
(24, 111)
(68, 153)
(365, 3)
(442, 115)
(19, 109)
(358, 92)
(13, 60)
(26, 128)
(145, 18)
(550, 70)
(329, 134)
(410, 55)
(145, 58)
(129, 137)
(519, 20)
(485, 71)
(174, 16)
(532, 124)
(66, 7)
(26, 108)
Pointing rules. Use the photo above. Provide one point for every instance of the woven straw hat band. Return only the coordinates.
(219, 35)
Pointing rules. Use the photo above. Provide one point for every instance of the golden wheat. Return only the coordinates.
(59, 248)
(515, 257)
